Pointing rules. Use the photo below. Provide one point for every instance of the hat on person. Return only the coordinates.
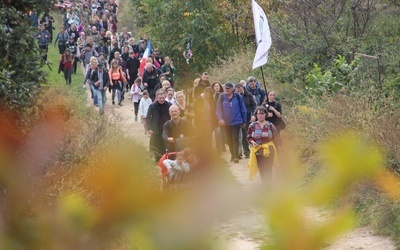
(228, 85)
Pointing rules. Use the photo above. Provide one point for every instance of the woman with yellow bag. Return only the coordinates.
(261, 135)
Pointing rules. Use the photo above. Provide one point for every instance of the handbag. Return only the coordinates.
(61, 65)
(281, 123)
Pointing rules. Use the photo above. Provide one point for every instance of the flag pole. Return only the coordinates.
(187, 54)
(262, 74)
(186, 81)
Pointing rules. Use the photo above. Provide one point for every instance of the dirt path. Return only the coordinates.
(238, 233)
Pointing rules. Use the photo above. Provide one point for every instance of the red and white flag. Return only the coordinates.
(145, 55)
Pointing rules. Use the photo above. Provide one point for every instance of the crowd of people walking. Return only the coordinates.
(243, 116)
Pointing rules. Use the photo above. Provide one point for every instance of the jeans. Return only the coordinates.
(118, 94)
(100, 95)
(94, 96)
(232, 136)
(122, 93)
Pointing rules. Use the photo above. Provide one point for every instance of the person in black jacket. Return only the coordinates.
(177, 132)
(157, 115)
(151, 77)
(115, 49)
(132, 68)
(250, 105)
(201, 85)
(205, 118)
(101, 81)
(274, 110)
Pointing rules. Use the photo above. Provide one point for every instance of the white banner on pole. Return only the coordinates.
(263, 35)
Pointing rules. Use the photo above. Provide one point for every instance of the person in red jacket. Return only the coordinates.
(66, 64)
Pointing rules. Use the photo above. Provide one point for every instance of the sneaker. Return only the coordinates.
(135, 118)
(120, 104)
(247, 156)
(84, 86)
(236, 160)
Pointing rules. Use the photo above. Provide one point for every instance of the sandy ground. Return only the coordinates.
(236, 233)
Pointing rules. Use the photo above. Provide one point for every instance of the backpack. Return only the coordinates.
(235, 94)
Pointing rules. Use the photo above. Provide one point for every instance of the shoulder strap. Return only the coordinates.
(238, 97)
(221, 99)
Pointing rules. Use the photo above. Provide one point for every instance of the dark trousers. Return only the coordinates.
(232, 137)
(43, 51)
(61, 48)
(136, 107)
(50, 30)
(152, 93)
(157, 146)
(67, 75)
(75, 64)
(265, 166)
(131, 81)
(245, 144)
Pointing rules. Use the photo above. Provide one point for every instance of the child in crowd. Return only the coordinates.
(143, 107)
(177, 168)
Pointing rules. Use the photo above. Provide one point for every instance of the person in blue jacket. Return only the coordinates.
(231, 113)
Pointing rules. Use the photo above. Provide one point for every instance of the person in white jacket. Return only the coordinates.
(143, 107)
(177, 168)
(137, 93)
